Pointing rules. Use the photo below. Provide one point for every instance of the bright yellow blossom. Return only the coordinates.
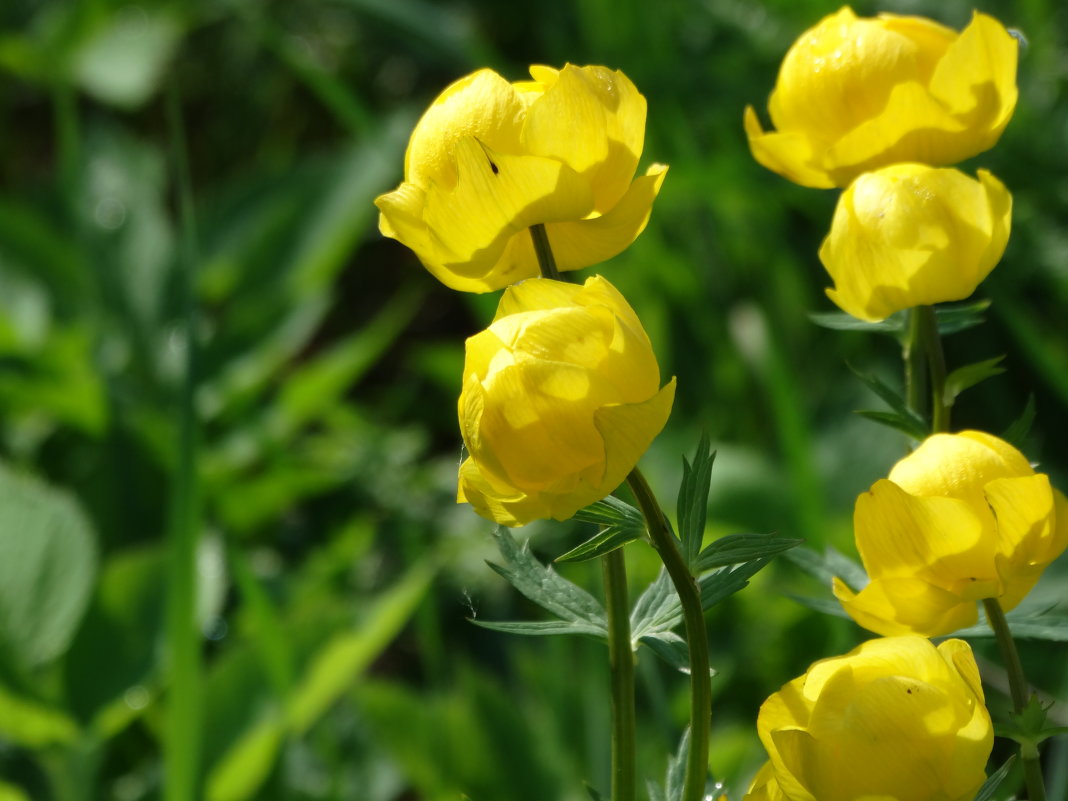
(895, 719)
(491, 158)
(561, 397)
(855, 94)
(961, 519)
(911, 235)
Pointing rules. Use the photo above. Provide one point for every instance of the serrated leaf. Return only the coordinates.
(715, 587)
(604, 541)
(692, 504)
(611, 511)
(735, 548)
(544, 586)
(657, 604)
(542, 627)
(952, 319)
(670, 647)
(908, 424)
(986, 792)
(1021, 426)
(968, 376)
(840, 321)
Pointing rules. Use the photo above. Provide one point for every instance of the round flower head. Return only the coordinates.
(962, 518)
(895, 719)
(490, 158)
(561, 397)
(855, 94)
(910, 235)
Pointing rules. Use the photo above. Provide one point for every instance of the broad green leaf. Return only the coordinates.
(348, 654)
(1052, 628)
(951, 319)
(657, 608)
(33, 724)
(693, 499)
(544, 586)
(994, 780)
(968, 376)
(671, 648)
(735, 548)
(611, 511)
(961, 317)
(542, 627)
(124, 61)
(1021, 426)
(840, 321)
(47, 567)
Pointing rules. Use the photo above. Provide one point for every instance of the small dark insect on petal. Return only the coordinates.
(495, 168)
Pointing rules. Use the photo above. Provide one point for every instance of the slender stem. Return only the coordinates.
(690, 597)
(183, 723)
(621, 662)
(936, 365)
(544, 252)
(915, 361)
(1018, 691)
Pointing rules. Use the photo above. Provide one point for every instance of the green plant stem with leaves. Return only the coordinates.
(620, 649)
(995, 616)
(923, 345)
(696, 638)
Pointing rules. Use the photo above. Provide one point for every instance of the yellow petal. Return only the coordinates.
(507, 509)
(630, 429)
(481, 106)
(764, 787)
(592, 119)
(959, 466)
(790, 154)
(906, 605)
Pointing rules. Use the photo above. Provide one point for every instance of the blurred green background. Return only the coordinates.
(243, 143)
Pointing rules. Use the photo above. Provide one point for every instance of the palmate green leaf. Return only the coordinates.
(951, 319)
(994, 780)
(604, 541)
(621, 523)
(693, 499)
(545, 587)
(735, 548)
(968, 376)
(901, 417)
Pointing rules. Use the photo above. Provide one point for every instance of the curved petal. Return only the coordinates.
(976, 79)
(959, 466)
(791, 155)
(514, 510)
(630, 429)
(906, 605)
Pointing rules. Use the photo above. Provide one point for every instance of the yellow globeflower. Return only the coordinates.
(561, 397)
(910, 235)
(855, 94)
(895, 719)
(491, 158)
(961, 519)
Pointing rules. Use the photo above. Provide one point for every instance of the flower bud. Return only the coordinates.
(910, 235)
(962, 518)
(561, 397)
(895, 719)
(855, 94)
(490, 158)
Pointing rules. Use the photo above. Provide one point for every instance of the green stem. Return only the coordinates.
(183, 722)
(690, 597)
(544, 252)
(915, 361)
(931, 344)
(1036, 788)
(621, 662)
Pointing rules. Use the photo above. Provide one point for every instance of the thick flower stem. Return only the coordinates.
(690, 597)
(1036, 789)
(621, 662)
(546, 260)
(931, 344)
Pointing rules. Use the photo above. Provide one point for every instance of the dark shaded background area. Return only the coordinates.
(337, 573)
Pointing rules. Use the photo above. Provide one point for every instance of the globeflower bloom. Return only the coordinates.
(963, 518)
(561, 397)
(911, 235)
(855, 94)
(895, 719)
(491, 158)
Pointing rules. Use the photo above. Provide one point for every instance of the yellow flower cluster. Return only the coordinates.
(561, 394)
(880, 106)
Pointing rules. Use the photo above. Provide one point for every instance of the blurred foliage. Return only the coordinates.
(336, 572)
